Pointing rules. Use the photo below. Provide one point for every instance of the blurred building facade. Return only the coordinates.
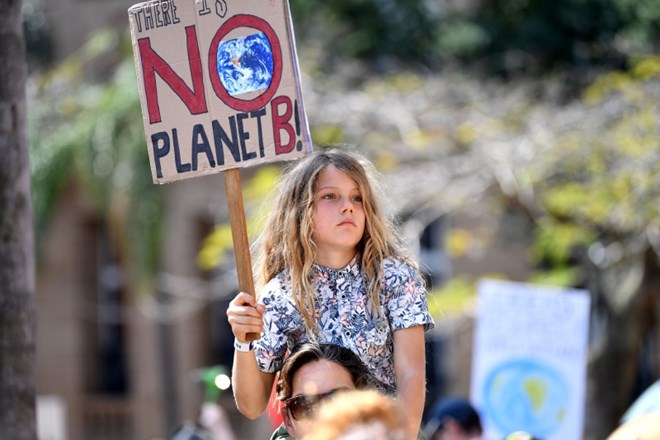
(126, 366)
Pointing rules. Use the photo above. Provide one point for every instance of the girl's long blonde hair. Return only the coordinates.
(286, 241)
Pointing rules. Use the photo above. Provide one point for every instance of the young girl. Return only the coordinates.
(334, 272)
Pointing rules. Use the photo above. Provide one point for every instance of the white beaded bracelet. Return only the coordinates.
(243, 346)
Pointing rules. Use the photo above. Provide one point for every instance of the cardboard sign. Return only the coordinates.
(219, 85)
(530, 359)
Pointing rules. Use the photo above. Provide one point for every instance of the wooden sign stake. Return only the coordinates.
(239, 234)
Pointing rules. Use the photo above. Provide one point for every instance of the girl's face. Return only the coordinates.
(338, 217)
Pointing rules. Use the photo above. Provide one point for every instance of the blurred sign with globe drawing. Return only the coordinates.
(529, 364)
(219, 85)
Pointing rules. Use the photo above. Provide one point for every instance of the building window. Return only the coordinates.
(107, 372)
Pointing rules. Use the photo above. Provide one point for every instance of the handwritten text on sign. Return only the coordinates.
(219, 86)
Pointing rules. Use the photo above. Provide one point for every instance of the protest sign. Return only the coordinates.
(220, 90)
(219, 85)
(529, 364)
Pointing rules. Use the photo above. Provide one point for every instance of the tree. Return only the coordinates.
(17, 358)
(592, 188)
(88, 129)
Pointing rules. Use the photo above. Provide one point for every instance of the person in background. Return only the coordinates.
(312, 374)
(333, 271)
(453, 418)
(358, 415)
(646, 427)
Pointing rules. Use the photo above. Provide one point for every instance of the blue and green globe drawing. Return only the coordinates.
(245, 64)
(522, 394)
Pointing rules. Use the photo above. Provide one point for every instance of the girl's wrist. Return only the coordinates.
(243, 346)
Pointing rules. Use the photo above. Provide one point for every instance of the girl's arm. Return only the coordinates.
(410, 370)
(252, 387)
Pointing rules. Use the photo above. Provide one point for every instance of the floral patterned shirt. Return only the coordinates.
(343, 315)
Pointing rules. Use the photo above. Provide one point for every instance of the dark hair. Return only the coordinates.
(456, 408)
(312, 352)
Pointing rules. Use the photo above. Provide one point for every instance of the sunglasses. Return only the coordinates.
(303, 406)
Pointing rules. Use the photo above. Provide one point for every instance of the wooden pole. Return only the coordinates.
(239, 234)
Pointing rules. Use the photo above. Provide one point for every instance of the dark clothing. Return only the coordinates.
(281, 434)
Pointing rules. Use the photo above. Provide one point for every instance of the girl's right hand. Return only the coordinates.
(245, 316)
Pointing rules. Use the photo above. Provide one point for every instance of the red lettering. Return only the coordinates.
(281, 122)
(152, 63)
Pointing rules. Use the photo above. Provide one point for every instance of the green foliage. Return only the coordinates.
(92, 135)
(460, 38)
(601, 182)
(214, 247)
(457, 296)
(327, 134)
(555, 240)
(573, 31)
(453, 298)
(627, 83)
(505, 36)
(641, 24)
(560, 276)
(368, 29)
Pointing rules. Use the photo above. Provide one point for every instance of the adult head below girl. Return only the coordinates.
(332, 269)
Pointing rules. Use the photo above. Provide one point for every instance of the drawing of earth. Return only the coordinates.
(522, 394)
(245, 64)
